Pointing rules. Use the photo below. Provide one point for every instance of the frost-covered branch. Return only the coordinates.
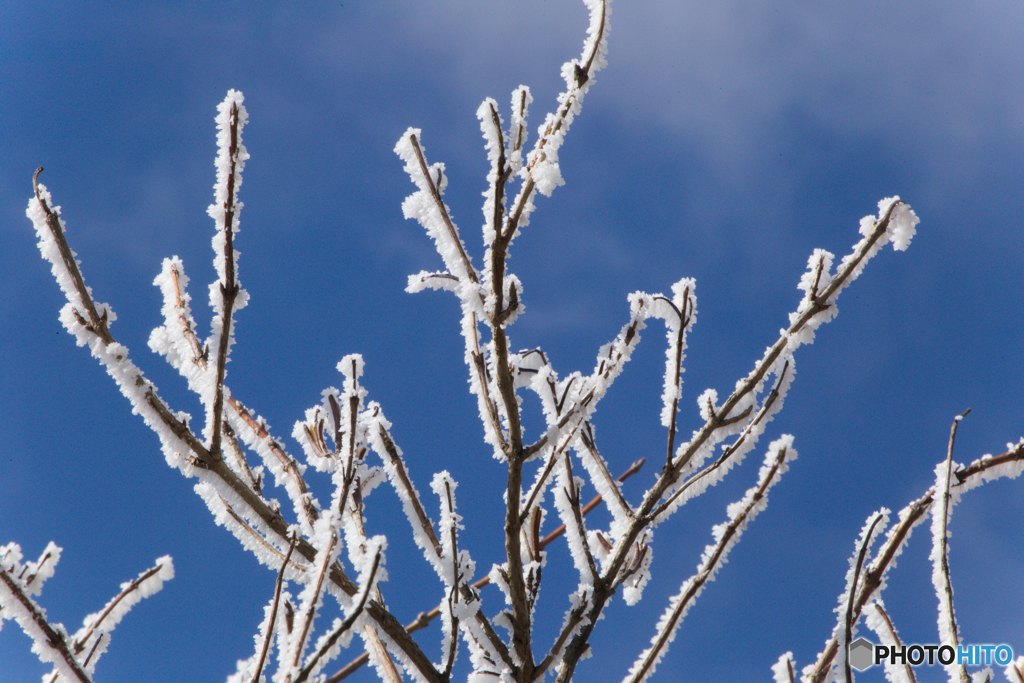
(1015, 670)
(180, 445)
(328, 644)
(285, 468)
(739, 414)
(846, 626)
(713, 473)
(269, 635)
(235, 503)
(319, 550)
(230, 162)
(1009, 465)
(895, 223)
(948, 632)
(784, 669)
(726, 535)
(878, 621)
(73, 657)
(567, 501)
(49, 642)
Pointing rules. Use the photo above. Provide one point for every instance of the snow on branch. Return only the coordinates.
(679, 314)
(542, 168)
(607, 487)
(427, 206)
(73, 657)
(103, 622)
(567, 502)
(578, 395)
(92, 329)
(49, 642)
(231, 491)
(456, 567)
(784, 670)
(1015, 670)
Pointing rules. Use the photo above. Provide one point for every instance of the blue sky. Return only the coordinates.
(724, 141)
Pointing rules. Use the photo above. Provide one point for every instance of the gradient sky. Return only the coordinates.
(724, 141)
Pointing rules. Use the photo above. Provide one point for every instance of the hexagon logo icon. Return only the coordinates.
(859, 654)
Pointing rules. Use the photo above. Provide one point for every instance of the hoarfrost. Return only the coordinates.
(782, 670)
(875, 620)
(725, 535)
(846, 624)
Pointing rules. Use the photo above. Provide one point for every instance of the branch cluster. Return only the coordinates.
(322, 549)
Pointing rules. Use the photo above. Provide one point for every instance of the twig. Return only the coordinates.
(435, 193)
(273, 611)
(729, 453)
(848, 619)
(945, 590)
(573, 496)
(201, 456)
(453, 596)
(287, 463)
(125, 592)
(45, 636)
(199, 354)
(558, 121)
(344, 626)
(745, 388)
(97, 323)
(391, 453)
(587, 439)
(907, 669)
(229, 287)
